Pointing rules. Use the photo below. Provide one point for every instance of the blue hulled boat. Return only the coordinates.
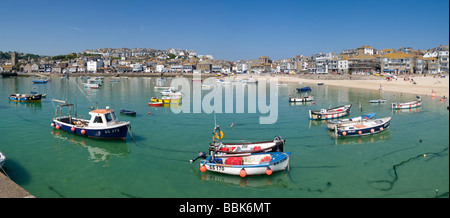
(40, 81)
(103, 123)
(304, 89)
(25, 97)
(365, 127)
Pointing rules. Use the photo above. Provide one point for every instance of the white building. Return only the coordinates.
(92, 65)
(159, 68)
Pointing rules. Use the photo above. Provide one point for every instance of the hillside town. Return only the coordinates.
(361, 60)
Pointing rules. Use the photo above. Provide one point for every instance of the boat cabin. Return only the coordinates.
(102, 117)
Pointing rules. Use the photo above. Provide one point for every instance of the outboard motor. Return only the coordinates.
(279, 143)
(200, 154)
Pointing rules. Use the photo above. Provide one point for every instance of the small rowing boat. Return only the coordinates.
(332, 113)
(333, 123)
(302, 99)
(277, 145)
(304, 89)
(167, 99)
(407, 105)
(155, 104)
(377, 100)
(128, 112)
(40, 81)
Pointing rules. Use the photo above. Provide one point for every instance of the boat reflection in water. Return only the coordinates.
(98, 150)
(32, 105)
(375, 138)
(407, 110)
(277, 179)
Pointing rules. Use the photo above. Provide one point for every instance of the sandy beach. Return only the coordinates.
(424, 85)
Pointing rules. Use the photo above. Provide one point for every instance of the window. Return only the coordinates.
(108, 117)
(98, 119)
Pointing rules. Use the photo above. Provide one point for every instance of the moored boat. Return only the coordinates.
(169, 92)
(246, 165)
(167, 99)
(332, 113)
(365, 127)
(407, 105)
(155, 104)
(333, 123)
(377, 100)
(302, 99)
(40, 81)
(277, 145)
(2, 159)
(128, 112)
(25, 97)
(304, 89)
(103, 123)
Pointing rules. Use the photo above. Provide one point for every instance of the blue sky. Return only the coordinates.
(227, 29)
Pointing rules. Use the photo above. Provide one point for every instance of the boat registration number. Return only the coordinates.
(112, 131)
(216, 168)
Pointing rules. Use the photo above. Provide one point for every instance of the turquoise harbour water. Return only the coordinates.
(410, 159)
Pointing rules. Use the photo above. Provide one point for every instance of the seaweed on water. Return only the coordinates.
(390, 183)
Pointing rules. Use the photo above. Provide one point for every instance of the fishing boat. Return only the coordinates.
(128, 112)
(246, 165)
(40, 81)
(377, 100)
(411, 104)
(102, 124)
(365, 127)
(304, 89)
(333, 123)
(332, 113)
(155, 104)
(2, 159)
(302, 99)
(25, 97)
(277, 145)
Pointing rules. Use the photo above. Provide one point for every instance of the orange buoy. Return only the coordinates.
(73, 129)
(372, 130)
(203, 168)
(149, 113)
(242, 173)
(381, 128)
(52, 124)
(268, 171)
(58, 126)
(360, 132)
(83, 131)
(344, 133)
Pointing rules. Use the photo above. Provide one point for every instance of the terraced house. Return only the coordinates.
(397, 63)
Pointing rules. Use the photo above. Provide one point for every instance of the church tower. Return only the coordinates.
(14, 58)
